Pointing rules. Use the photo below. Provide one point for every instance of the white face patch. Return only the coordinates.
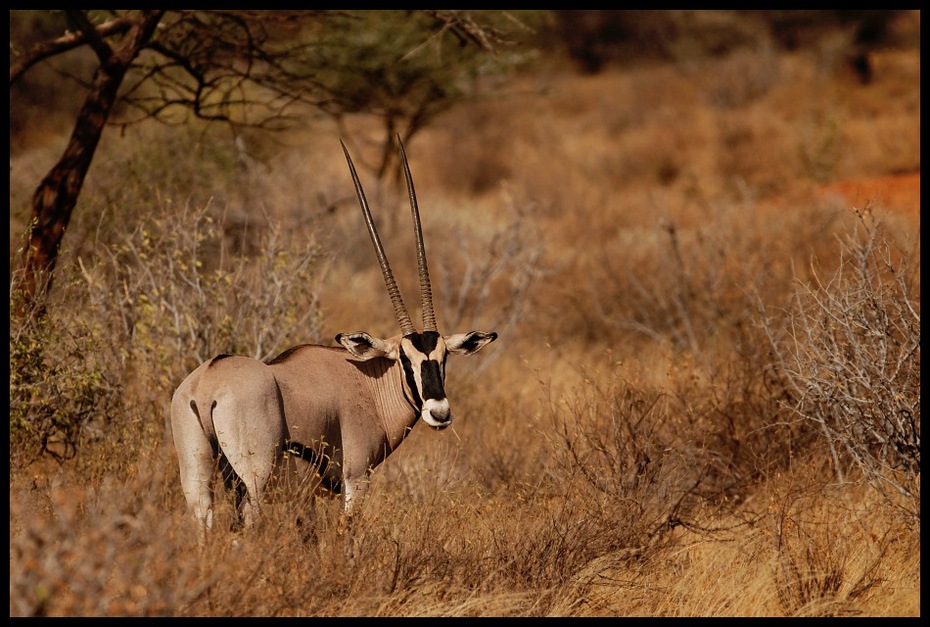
(436, 413)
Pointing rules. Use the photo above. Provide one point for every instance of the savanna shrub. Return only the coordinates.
(191, 291)
(850, 353)
(121, 331)
(61, 379)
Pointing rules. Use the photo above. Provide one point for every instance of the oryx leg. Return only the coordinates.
(195, 460)
(353, 490)
(250, 432)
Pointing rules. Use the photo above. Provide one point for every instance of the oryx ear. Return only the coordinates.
(365, 347)
(468, 343)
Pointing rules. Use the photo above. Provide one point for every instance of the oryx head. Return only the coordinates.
(421, 355)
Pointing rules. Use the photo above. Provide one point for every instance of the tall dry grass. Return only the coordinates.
(647, 437)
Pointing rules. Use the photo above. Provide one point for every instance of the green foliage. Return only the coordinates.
(265, 68)
(397, 66)
(391, 63)
(62, 379)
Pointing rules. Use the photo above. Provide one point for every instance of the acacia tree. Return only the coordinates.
(245, 68)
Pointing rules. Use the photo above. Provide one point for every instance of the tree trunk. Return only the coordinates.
(57, 194)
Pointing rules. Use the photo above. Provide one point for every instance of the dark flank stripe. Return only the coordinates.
(321, 463)
(233, 483)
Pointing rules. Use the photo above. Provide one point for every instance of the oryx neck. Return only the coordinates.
(395, 412)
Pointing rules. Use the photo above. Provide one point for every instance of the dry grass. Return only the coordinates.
(628, 447)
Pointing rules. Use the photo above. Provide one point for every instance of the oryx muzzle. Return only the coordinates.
(331, 414)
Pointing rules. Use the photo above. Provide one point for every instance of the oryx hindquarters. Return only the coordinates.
(227, 414)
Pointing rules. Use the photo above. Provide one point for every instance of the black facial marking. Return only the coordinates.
(431, 373)
(432, 379)
(411, 381)
(424, 342)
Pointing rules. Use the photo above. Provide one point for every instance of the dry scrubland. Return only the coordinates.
(691, 289)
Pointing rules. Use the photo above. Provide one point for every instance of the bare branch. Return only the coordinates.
(68, 41)
(460, 24)
(93, 39)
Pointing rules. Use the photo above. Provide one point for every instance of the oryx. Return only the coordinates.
(336, 411)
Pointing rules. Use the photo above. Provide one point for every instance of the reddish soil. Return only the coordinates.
(899, 193)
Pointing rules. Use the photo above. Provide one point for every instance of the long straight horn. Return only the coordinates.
(406, 326)
(426, 295)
